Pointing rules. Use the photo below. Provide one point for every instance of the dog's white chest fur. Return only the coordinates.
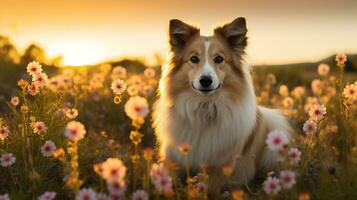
(215, 129)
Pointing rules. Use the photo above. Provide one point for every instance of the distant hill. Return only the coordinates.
(302, 73)
(351, 64)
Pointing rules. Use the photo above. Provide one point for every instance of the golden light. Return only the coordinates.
(77, 51)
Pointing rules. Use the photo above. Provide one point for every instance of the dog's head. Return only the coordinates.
(206, 65)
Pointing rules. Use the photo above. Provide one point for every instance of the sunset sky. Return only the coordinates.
(90, 31)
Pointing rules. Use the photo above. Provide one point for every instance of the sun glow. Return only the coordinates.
(77, 51)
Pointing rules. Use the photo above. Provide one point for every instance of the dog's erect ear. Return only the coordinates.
(180, 33)
(234, 33)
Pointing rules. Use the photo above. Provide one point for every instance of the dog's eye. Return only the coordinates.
(194, 59)
(218, 59)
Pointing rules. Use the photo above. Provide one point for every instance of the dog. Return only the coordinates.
(207, 101)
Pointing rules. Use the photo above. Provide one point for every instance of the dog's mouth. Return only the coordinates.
(206, 90)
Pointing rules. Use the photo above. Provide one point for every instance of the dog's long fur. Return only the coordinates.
(223, 128)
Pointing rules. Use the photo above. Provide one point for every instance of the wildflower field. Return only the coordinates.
(86, 133)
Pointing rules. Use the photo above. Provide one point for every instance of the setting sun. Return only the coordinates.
(85, 32)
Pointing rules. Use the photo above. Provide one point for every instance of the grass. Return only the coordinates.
(327, 168)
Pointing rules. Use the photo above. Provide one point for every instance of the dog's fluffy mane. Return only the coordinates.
(220, 127)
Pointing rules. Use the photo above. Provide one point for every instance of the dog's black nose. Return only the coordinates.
(206, 81)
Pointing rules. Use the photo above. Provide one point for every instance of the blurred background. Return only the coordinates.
(283, 35)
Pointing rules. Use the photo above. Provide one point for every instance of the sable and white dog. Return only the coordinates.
(207, 101)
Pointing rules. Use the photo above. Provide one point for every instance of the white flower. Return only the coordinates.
(75, 131)
(101, 196)
(323, 69)
(71, 113)
(160, 177)
(133, 90)
(201, 187)
(350, 92)
(136, 107)
(118, 87)
(34, 68)
(147, 90)
(40, 79)
(149, 73)
(316, 86)
(15, 101)
(287, 179)
(119, 72)
(140, 195)
(4, 132)
(309, 127)
(288, 102)
(39, 128)
(294, 155)
(86, 194)
(158, 170)
(48, 148)
(163, 183)
(317, 112)
(33, 89)
(298, 92)
(284, 90)
(341, 59)
(47, 196)
(271, 185)
(7, 159)
(113, 170)
(4, 197)
(276, 140)
(116, 188)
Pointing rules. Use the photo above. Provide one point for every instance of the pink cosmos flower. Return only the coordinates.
(75, 131)
(149, 73)
(140, 195)
(136, 107)
(48, 148)
(294, 155)
(298, 92)
(163, 183)
(323, 69)
(101, 196)
(316, 86)
(284, 90)
(4, 197)
(288, 102)
(39, 128)
(310, 127)
(47, 196)
(40, 79)
(287, 179)
(160, 177)
(116, 188)
(4, 132)
(350, 92)
(71, 113)
(7, 159)
(33, 89)
(276, 140)
(86, 194)
(34, 68)
(119, 72)
(271, 185)
(113, 170)
(118, 86)
(341, 59)
(317, 112)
